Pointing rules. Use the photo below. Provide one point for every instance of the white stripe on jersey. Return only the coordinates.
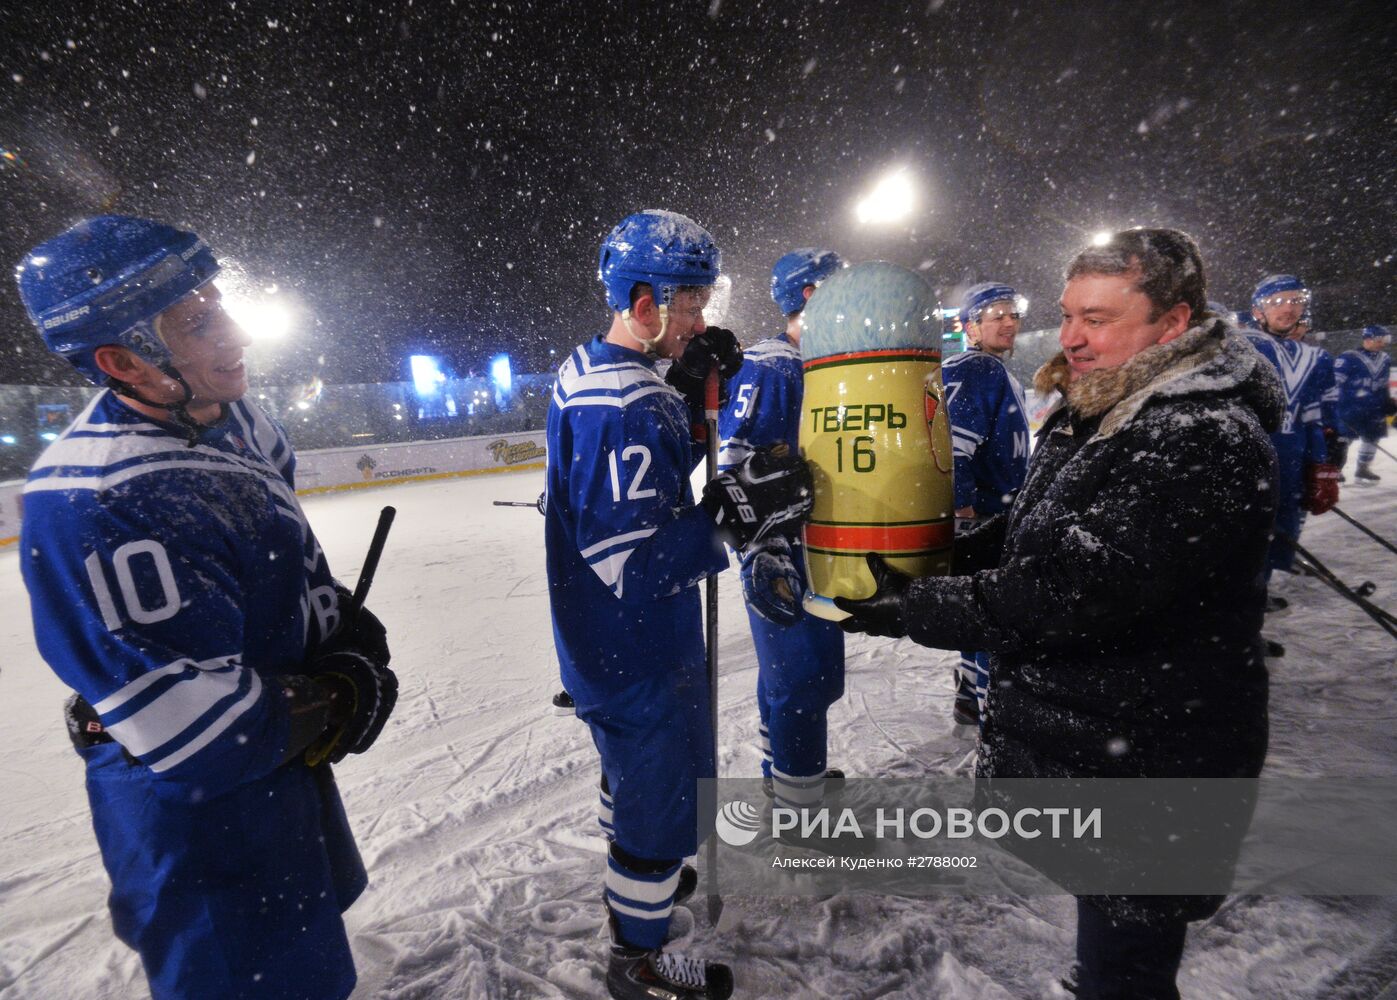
(180, 707)
(101, 483)
(213, 731)
(122, 695)
(607, 543)
(610, 570)
(734, 450)
(582, 384)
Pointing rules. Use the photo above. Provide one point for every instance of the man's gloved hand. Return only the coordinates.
(689, 371)
(880, 614)
(352, 666)
(365, 634)
(771, 582)
(768, 491)
(1321, 487)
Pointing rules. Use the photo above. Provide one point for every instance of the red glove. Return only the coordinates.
(1321, 487)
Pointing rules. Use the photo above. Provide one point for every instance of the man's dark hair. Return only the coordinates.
(1170, 267)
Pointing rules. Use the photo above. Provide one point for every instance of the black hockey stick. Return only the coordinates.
(710, 421)
(319, 751)
(537, 505)
(1385, 619)
(366, 575)
(1385, 451)
(1365, 529)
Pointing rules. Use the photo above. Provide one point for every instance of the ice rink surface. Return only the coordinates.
(475, 811)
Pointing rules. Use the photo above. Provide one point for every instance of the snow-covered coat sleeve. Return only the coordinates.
(1156, 524)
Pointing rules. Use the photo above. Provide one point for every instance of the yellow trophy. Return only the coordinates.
(875, 432)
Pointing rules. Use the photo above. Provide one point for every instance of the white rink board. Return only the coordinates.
(334, 469)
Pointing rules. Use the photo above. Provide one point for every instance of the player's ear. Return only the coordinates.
(644, 308)
(122, 365)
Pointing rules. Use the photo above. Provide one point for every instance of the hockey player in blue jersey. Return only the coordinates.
(989, 436)
(800, 658)
(1365, 402)
(1307, 477)
(179, 591)
(626, 546)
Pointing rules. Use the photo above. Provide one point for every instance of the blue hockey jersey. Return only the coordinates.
(1364, 399)
(989, 431)
(763, 401)
(625, 542)
(1300, 439)
(169, 585)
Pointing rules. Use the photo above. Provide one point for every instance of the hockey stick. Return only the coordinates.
(1385, 451)
(1365, 529)
(1386, 620)
(319, 751)
(366, 575)
(537, 505)
(710, 422)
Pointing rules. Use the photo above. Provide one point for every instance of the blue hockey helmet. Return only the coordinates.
(977, 297)
(1274, 284)
(664, 250)
(1377, 332)
(798, 270)
(104, 280)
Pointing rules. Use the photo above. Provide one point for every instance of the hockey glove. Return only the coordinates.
(1321, 487)
(715, 346)
(768, 491)
(364, 634)
(880, 614)
(770, 581)
(362, 696)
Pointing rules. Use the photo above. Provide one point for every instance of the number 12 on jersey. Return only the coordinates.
(634, 491)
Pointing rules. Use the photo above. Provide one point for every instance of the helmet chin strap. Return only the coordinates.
(649, 344)
(179, 411)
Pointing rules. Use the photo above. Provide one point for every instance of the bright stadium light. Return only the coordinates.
(1100, 238)
(262, 316)
(891, 200)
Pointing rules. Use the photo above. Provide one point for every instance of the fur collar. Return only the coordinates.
(1208, 358)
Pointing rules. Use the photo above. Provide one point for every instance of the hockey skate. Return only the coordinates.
(1277, 607)
(563, 704)
(1365, 474)
(656, 974)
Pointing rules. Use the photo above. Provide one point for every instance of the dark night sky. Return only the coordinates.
(438, 175)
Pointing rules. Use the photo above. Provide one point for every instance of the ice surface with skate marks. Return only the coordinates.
(476, 810)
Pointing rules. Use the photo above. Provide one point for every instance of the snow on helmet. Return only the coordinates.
(1377, 332)
(1274, 284)
(977, 297)
(664, 250)
(797, 270)
(104, 280)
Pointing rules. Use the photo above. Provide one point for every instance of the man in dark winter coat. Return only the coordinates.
(1121, 596)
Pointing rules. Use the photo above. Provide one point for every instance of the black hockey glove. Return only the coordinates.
(769, 491)
(715, 346)
(362, 696)
(880, 614)
(364, 635)
(352, 665)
